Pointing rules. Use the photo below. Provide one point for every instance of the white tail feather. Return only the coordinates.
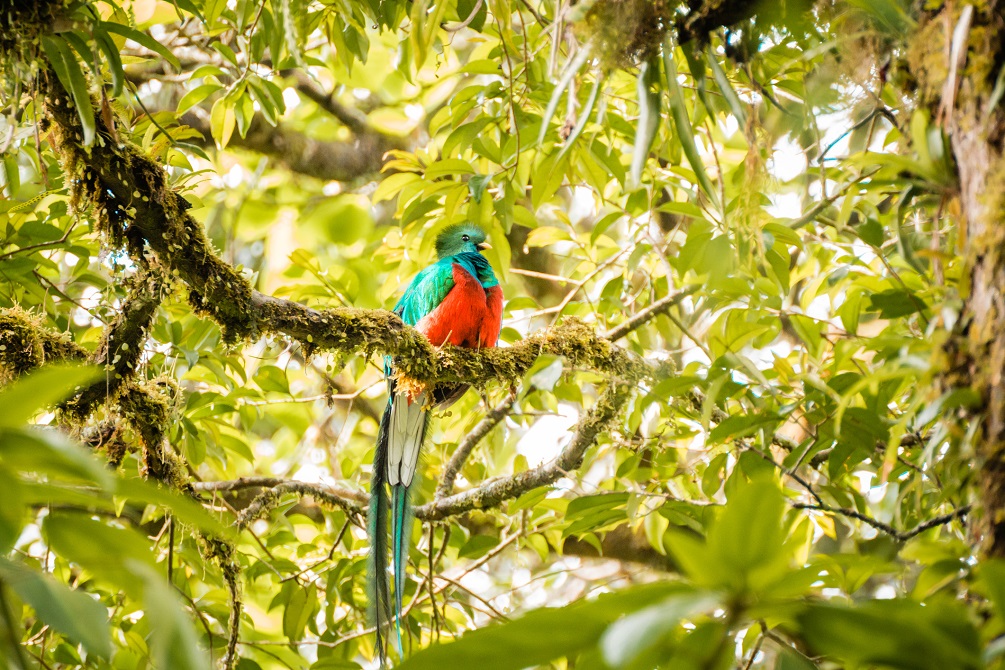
(405, 438)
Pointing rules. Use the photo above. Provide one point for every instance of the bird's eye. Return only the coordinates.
(466, 238)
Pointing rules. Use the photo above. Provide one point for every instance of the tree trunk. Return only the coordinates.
(960, 98)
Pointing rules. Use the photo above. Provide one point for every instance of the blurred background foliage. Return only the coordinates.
(793, 497)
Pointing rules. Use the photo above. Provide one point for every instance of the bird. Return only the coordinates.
(457, 300)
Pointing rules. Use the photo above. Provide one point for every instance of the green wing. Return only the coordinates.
(426, 292)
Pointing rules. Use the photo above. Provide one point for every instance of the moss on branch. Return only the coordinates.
(25, 344)
(121, 346)
(143, 208)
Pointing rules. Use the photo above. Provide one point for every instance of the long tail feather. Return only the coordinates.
(377, 583)
(399, 441)
(401, 525)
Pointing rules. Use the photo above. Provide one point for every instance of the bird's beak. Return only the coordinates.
(483, 246)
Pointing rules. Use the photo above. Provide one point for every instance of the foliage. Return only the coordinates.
(768, 473)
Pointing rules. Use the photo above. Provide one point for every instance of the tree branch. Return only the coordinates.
(343, 499)
(661, 306)
(121, 346)
(26, 345)
(491, 493)
(495, 491)
(901, 536)
(342, 161)
(112, 175)
(351, 118)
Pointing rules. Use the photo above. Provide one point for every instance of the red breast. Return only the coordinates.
(470, 316)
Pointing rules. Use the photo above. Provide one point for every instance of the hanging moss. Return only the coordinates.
(624, 33)
(22, 23)
(121, 347)
(25, 344)
(147, 408)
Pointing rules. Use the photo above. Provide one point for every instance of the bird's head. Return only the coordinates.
(464, 237)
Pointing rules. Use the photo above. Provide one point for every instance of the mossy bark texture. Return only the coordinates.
(956, 55)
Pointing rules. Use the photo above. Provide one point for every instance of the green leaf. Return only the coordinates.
(656, 526)
(79, 43)
(13, 512)
(545, 372)
(682, 125)
(143, 40)
(750, 532)
(584, 115)
(574, 66)
(895, 303)
(449, 167)
(640, 631)
(115, 555)
(542, 236)
(196, 95)
(890, 15)
(726, 88)
(111, 54)
(222, 120)
(592, 513)
(478, 546)
(901, 634)
(648, 123)
(184, 509)
(41, 389)
(64, 63)
(272, 378)
(173, 639)
(302, 606)
(541, 635)
(997, 93)
(741, 425)
(335, 664)
(82, 619)
(49, 452)
(992, 575)
(477, 184)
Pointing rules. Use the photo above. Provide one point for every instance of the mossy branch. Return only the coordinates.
(143, 207)
(25, 344)
(121, 346)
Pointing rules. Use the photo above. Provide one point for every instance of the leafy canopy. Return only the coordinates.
(751, 203)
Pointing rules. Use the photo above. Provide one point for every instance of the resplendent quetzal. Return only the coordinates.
(456, 300)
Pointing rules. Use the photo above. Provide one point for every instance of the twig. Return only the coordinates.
(331, 552)
(233, 621)
(489, 494)
(638, 320)
(757, 648)
(901, 536)
(540, 19)
(268, 500)
(41, 245)
(466, 22)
